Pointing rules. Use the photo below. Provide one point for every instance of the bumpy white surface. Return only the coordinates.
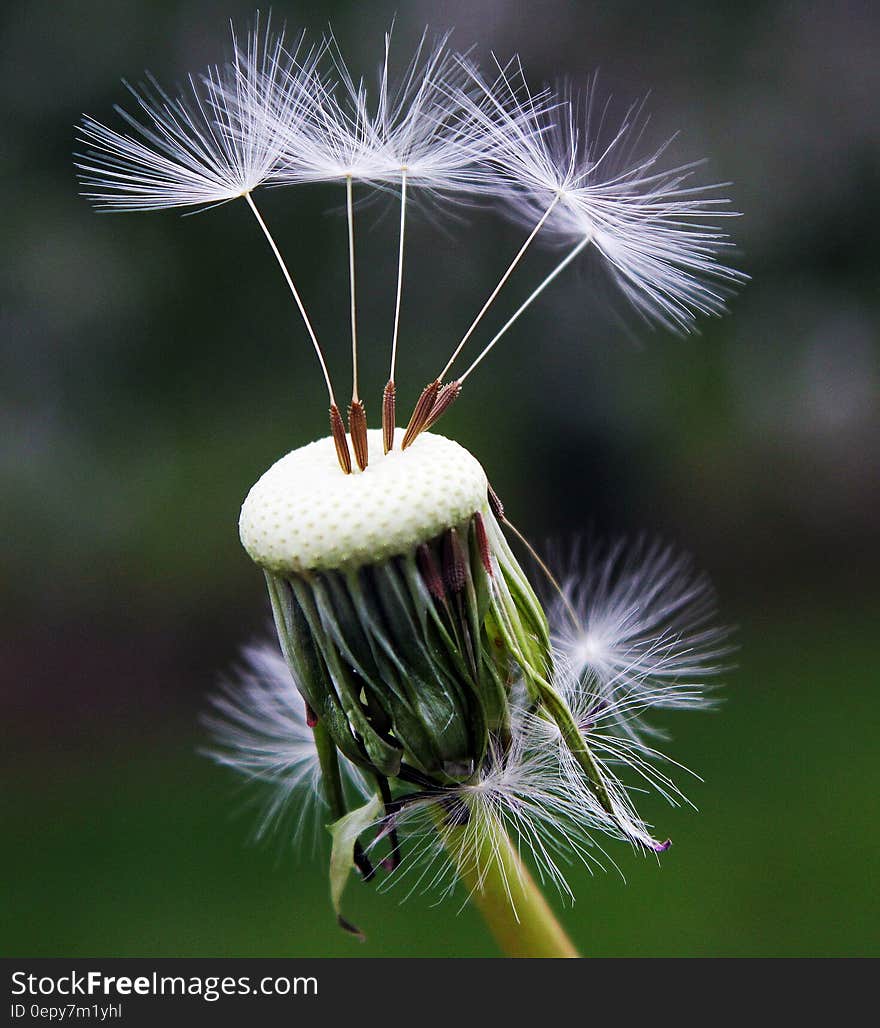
(304, 514)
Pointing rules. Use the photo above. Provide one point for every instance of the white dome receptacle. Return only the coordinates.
(305, 514)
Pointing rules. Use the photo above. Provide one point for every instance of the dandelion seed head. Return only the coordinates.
(402, 611)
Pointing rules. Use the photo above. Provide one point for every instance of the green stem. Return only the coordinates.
(503, 890)
(330, 775)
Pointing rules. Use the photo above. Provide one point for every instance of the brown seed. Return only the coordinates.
(337, 428)
(495, 504)
(357, 428)
(430, 571)
(389, 405)
(421, 413)
(454, 562)
(445, 399)
(483, 543)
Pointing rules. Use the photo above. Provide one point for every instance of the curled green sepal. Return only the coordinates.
(345, 833)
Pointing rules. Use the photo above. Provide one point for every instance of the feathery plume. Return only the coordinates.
(645, 636)
(216, 142)
(417, 127)
(655, 229)
(261, 730)
(521, 789)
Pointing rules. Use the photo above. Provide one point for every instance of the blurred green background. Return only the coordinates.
(151, 367)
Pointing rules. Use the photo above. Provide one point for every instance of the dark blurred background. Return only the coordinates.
(152, 367)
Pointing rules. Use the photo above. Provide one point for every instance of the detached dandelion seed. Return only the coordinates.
(453, 727)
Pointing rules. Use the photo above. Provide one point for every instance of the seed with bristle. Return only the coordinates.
(422, 412)
(389, 405)
(357, 427)
(430, 571)
(483, 543)
(340, 439)
(445, 399)
(454, 562)
(495, 504)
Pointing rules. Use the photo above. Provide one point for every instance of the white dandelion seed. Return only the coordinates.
(418, 136)
(655, 229)
(573, 183)
(627, 765)
(337, 142)
(217, 143)
(261, 731)
(623, 768)
(432, 142)
(506, 114)
(534, 792)
(635, 631)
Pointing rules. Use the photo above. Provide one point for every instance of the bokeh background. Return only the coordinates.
(151, 367)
